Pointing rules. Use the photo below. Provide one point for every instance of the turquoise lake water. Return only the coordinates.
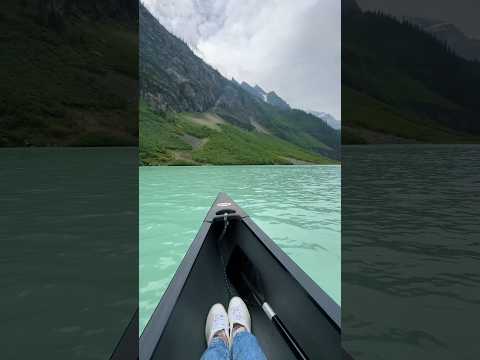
(297, 206)
(411, 251)
(69, 251)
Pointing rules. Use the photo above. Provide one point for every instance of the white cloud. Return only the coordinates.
(289, 46)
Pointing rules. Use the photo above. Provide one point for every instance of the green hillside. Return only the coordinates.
(69, 77)
(204, 138)
(367, 118)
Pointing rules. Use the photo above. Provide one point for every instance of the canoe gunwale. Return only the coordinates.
(325, 303)
(159, 319)
(127, 346)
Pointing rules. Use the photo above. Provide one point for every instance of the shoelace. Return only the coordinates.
(237, 314)
(219, 322)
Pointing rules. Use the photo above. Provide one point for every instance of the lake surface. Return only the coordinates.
(297, 206)
(411, 251)
(69, 251)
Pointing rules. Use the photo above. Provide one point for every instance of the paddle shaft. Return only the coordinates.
(289, 338)
(277, 322)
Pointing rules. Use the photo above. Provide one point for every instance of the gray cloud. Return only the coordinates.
(292, 47)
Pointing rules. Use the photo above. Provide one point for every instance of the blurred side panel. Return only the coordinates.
(410, 170)
(69, 177)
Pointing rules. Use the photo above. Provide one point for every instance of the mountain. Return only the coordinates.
(190, 112)
(256, 91)
(270, 98)
(401, 84)
(329, 119)
(275, 100)
(463, 45)
(350, 7)
(69, 71)
(173, 78)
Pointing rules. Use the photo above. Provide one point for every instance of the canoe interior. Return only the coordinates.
(182, 334)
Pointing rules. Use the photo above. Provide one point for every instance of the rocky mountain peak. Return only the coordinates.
(270, 98)
(277, 101)
(463, 45)
(329, 119)
(259, 89)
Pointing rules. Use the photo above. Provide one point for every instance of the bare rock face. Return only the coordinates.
(270, 98)
(277, 101)
(168, 67)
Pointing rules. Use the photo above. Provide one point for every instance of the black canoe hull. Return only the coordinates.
(176, 328)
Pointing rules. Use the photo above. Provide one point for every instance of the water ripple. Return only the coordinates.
(410, 251)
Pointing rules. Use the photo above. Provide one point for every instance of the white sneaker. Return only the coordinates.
(238, 314)
(217, 319)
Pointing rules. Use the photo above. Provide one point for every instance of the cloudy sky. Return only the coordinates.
(289, 46)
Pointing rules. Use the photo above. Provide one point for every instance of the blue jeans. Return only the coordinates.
(244, 347)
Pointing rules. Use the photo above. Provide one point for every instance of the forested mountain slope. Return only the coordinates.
(69, 72)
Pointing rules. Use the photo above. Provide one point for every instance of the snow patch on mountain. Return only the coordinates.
(328, 118)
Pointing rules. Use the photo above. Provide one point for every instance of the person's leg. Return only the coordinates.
(245, 347)
(216, 334)
(217, 350)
